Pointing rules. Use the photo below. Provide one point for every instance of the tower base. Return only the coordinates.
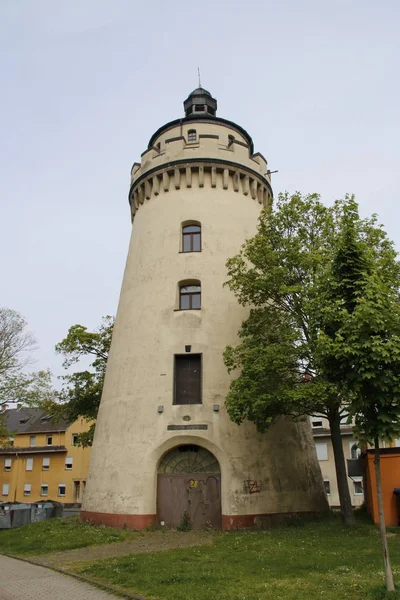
(229, 522)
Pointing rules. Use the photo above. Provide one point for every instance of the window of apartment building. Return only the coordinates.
(45, 463)
(322, 451)
(189, 297)
(327, 485)
(5, 489)
(75, 437)
(27, 489)
(397, 443)
(316, 422)
(355, 449)
(29, 464)
(32, 440)
(192, 135)
(68, 462)
(187, 379)
(62, 489)
(358, 486)
(44, 489)
(7, 464)
(49, 440)
(191, 238)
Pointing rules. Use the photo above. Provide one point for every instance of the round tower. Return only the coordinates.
(165, 449)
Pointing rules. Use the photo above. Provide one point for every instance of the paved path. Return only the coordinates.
(156, 541)
(23, 581)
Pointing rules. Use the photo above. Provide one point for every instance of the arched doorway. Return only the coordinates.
(189, 488)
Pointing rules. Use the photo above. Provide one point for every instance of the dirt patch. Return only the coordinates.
(157, 541)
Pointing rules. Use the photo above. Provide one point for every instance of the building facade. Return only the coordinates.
(351, 450)
(165, 449)
(44, 460)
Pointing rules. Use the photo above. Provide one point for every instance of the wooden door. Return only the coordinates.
(196, 494)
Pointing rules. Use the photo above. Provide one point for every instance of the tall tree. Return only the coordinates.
(17, 345)
(277, 272)
(359, 344)
(81, 392)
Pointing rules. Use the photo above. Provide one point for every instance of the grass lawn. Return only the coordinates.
(316, 560)
(56, 535)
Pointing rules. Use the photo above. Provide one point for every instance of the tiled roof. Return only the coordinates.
(31, 420)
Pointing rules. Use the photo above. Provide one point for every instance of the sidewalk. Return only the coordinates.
(23, 581)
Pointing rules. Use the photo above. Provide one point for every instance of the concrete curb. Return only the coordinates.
(93, 582)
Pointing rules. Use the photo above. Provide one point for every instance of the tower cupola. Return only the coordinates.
(200, 103)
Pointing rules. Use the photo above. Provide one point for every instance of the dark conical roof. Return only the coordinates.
(199, 92)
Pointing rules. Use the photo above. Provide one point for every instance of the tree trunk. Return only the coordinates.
(341, 471)
(382, 526)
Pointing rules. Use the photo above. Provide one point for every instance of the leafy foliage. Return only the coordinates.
(281, 273)
(81, 392)
(359, 345)
(359, 340)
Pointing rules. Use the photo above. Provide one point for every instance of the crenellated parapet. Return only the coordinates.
(215, 159)
(199, 174)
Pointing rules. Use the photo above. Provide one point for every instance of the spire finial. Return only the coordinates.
(198, 71)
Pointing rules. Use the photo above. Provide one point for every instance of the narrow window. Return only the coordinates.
(187, 379)
(358, 486)
(68, 462)
(327, 485)
(191, 238)
(46, 463)
(190, 297)
(27, 489)
(61, 489)
(7, 464)
(192, 135)
(44, 489)
(49, 440)
(322, 451)
(231, 139)
(6, 489)
(29, 464)
(32, 440)
(75, 439)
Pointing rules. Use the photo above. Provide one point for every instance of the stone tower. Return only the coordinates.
(165, 448)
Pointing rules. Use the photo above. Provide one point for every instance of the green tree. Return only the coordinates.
(277, 274)
(81, 392)
(358, 347)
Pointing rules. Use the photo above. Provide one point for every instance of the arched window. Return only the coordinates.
(192, 136)
(191, 238)
(190, 296)
(231, 139)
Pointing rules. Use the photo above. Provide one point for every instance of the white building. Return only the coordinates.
(351, 450)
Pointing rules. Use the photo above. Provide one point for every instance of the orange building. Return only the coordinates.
(43, 460)
(390, 470)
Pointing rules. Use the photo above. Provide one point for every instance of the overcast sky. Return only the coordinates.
(84, 84)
